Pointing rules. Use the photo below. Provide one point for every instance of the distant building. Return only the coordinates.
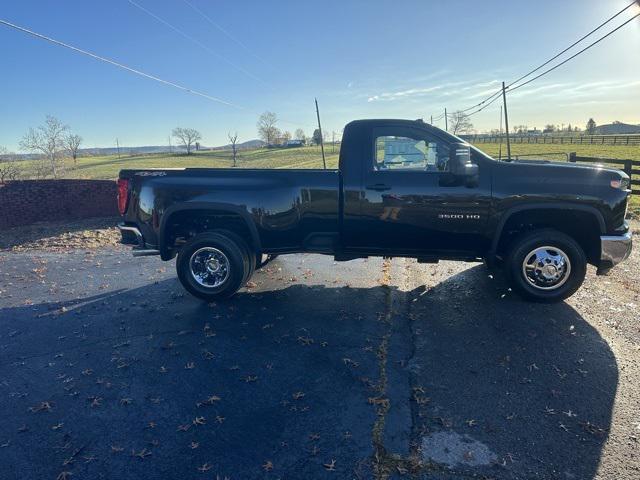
(295, 143)
(617, 128)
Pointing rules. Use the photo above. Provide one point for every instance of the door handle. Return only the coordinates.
(378, 187)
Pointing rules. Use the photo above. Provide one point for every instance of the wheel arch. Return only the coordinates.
(584, 225)
(209, 209)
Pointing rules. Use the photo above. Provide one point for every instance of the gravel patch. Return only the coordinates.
(58, 237)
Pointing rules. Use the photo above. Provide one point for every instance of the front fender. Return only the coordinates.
(504, 218)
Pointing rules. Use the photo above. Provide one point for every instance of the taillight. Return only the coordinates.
(123, 195)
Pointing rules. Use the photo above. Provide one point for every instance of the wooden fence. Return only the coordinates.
(618, 140)
(630, 167)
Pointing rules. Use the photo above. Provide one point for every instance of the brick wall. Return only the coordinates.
(28, 201)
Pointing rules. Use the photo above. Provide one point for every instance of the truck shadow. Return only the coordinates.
(281, 382)
(526, 387)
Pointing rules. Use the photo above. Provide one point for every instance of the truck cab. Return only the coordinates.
(413, 190)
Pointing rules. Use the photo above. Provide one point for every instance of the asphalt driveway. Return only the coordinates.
(365, 369)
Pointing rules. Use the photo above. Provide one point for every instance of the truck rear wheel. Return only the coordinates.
(546, 265)
(213, 266)
(249, 254)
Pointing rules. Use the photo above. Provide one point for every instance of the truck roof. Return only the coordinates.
(377, 122)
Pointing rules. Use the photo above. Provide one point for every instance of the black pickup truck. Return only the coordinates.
(404, 189)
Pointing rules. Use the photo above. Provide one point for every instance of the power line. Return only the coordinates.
(485, 105)
(575, 54)
(136, 71)
(498, 92)
(196, 41)
(573, 44)
(561, 63)
(495, 94)
(119, 65)
(227, 34)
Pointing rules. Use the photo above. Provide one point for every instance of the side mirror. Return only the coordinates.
(461, 166)
(471, 174)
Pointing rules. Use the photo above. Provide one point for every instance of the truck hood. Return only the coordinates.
(560, 179)
(544, 164)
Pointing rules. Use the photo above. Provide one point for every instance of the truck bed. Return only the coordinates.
(290, 208)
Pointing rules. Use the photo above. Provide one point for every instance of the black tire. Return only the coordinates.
(534, 287)
(236, 261)
(249, 254)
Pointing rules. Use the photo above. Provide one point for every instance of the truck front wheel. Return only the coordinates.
(546, 265)
(212, 266)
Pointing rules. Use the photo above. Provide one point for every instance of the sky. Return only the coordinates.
(361, 59)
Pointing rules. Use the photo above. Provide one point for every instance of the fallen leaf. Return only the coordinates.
(331, 466)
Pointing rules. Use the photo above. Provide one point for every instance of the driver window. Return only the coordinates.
(407, 153)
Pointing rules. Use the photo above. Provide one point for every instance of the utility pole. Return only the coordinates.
(500, 149)
(118, 147)
(446, 121)
(170, 146)
(431, 123)
(324, 162)
(333, 141)
(506, 120)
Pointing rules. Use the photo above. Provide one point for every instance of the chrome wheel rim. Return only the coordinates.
(546, 268)
(209, 267)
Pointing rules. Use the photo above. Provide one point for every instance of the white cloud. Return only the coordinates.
(573, 90)
(412, 92)
(582, 103)
(449, 89)
(540, 89)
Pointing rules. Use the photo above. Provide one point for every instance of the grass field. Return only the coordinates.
(107, 167)
(600, 151)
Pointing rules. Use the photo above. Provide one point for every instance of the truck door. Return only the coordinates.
(410, 202)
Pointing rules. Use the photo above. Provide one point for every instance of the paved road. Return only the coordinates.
(365, 369)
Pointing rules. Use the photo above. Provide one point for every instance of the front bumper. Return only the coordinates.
(613, 250)
(140, 249)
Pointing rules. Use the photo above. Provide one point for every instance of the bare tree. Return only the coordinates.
(9, 168)
(47, 139)
(234, 146)
(299, 134)
(72, 143)
(188, 137)
(459, 122)
(267, 129)
(317, 138)
(285, 137)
